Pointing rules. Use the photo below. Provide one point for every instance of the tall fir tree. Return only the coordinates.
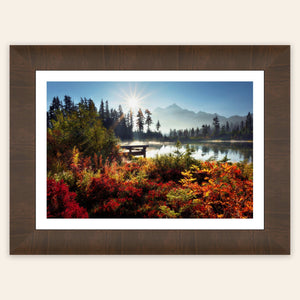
(140, 121)
(68, 106)
(101, 111)
(148, 119)
(216, 124)
(158, 126)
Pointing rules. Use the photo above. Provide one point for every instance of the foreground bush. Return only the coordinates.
(170, 166)
(219, 190)
(61, 202)
(82, 129)
(165, 187)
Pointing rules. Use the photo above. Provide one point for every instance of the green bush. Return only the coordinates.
(81, 129)
(170, 166)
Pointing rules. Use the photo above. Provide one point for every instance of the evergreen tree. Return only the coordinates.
(92, 107)
(192, 132)
(56, 104)
(204, 130)
(227, 127)
(185, 133)
(113, 119)
(242, 125)
(107, 120)
(180, 133)
(216, 124)
(158, 126)
(54, 109)
(249, 123)
(175, 133)
(131, 123)
(140, 121)
(128, 124)
(101, 110)
(121, 129)
(223, 130)
(148, 119)
(68, 106)
(249, 126)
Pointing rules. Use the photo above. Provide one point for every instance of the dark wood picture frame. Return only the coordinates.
(273, 60)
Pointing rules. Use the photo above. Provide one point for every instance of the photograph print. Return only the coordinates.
(150, 149)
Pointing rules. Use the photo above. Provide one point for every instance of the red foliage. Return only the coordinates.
(61, 202)
(210, 190)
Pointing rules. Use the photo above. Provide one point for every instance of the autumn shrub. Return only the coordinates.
(246, 169)
(171, 186)
(58, 152)
(67, 177)
(224, 192)
(61, 202)
(107, 198)
(99, 190)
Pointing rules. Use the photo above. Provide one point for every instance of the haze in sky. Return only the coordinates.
(223, 98)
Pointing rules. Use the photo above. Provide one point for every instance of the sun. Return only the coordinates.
(133, 102)
(133, 97)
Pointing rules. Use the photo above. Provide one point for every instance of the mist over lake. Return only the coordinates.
(206, 150)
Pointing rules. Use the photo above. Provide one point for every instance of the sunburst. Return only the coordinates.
(133, 102)
(133, 98)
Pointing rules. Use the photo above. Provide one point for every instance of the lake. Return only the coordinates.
(236, 151)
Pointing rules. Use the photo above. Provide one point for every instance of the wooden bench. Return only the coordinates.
(134, 150)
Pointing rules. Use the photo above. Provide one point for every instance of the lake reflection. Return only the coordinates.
(235, 151)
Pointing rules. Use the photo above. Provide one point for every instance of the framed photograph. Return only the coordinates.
(196, 169)
(150, 150)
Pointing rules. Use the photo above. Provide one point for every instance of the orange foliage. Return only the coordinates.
(130, 189)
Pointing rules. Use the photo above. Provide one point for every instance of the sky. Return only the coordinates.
(223, 98)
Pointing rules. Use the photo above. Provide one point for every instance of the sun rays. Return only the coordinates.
(133, 97)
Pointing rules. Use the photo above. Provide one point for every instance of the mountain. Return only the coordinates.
(175, 117)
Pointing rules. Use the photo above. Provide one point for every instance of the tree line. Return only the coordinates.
(120, 122)
(123, 124)
(242, 130)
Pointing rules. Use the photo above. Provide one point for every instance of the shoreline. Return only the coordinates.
(140, 142)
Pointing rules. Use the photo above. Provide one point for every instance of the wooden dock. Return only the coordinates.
(135, 150)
